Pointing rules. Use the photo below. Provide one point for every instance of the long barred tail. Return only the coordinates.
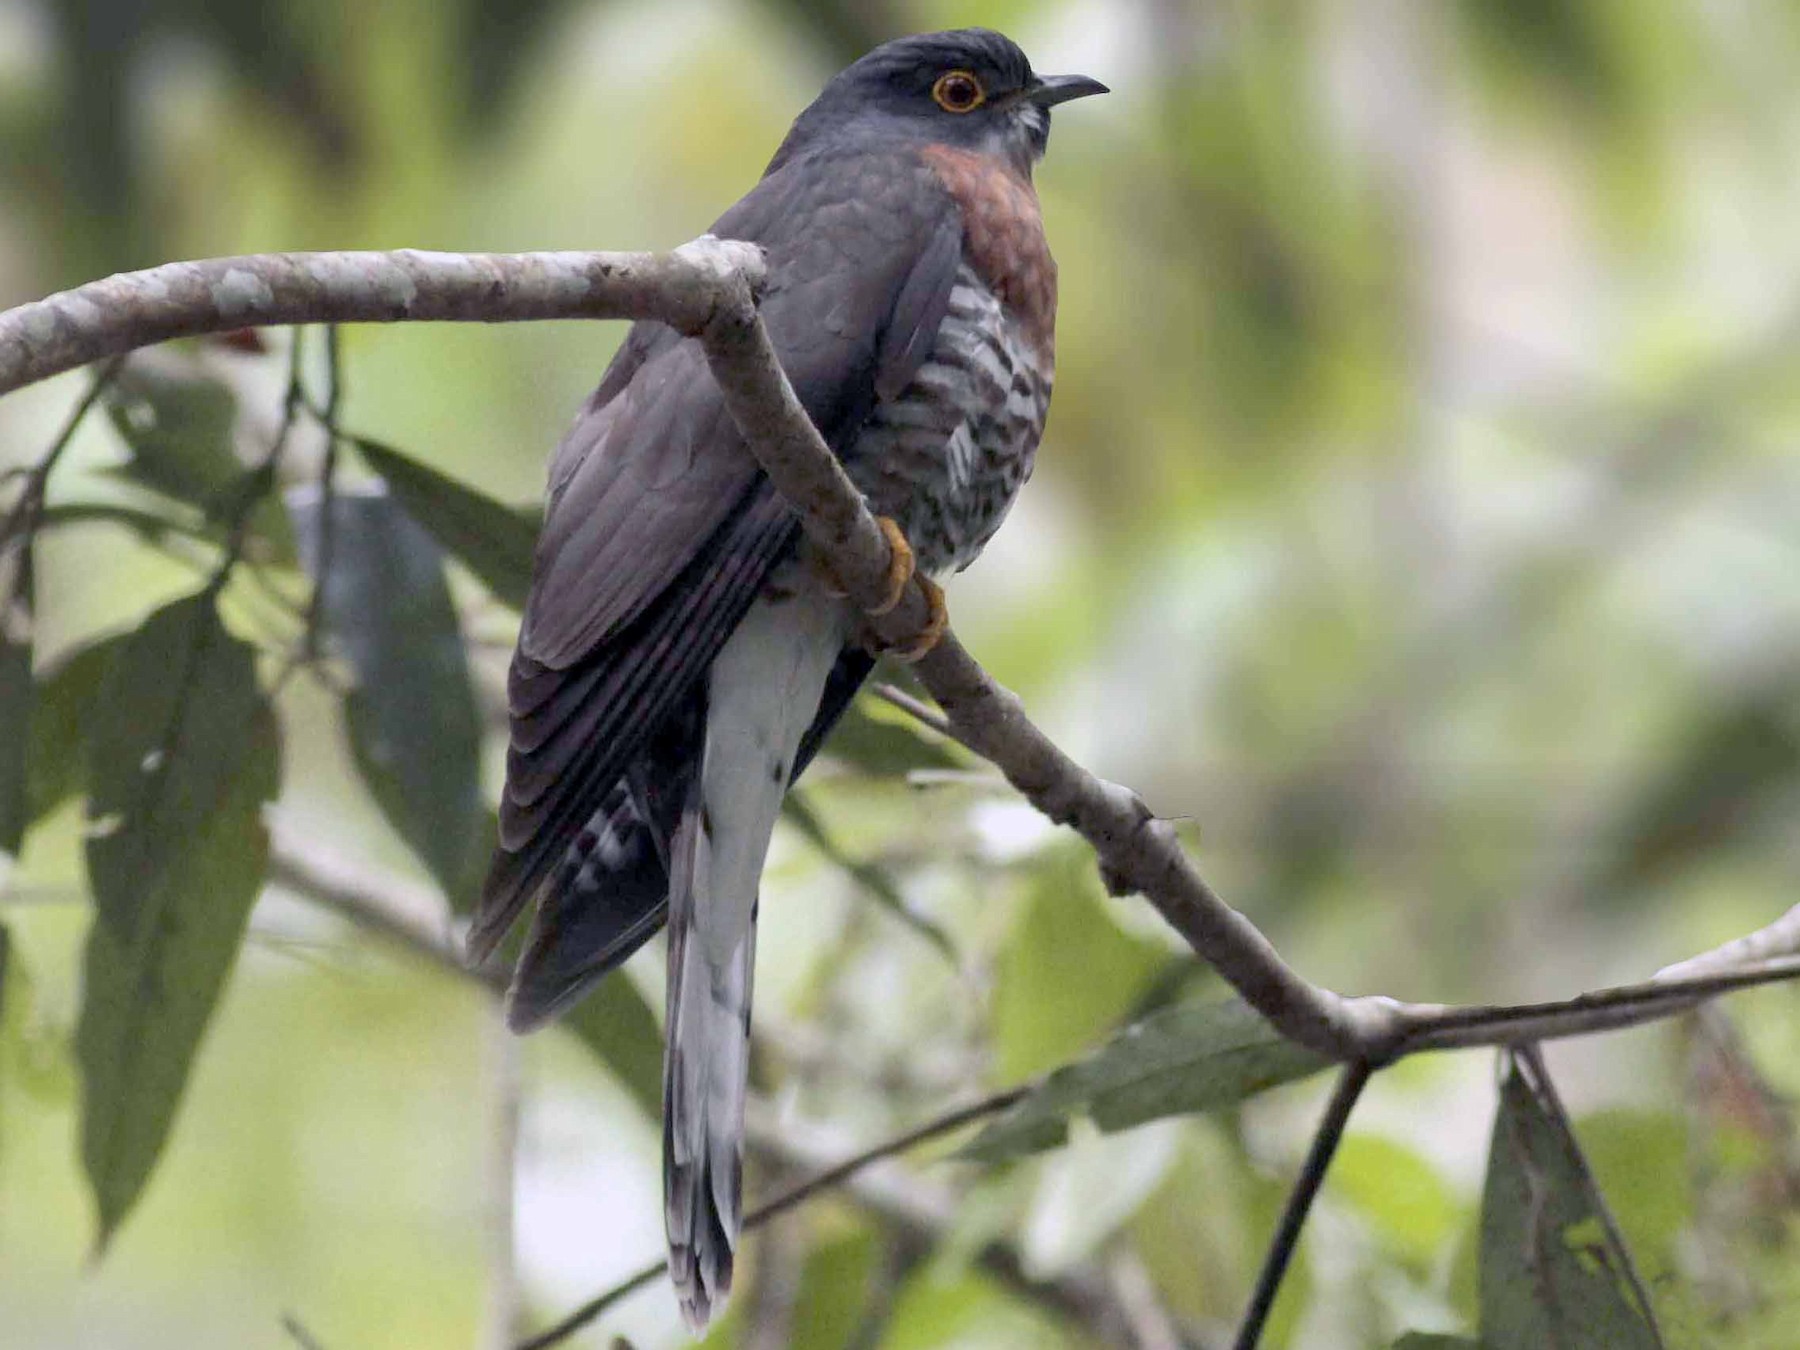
(705, 1074)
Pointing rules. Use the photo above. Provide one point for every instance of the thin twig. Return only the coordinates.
(327, 536)
(23, 518)
(258, 482)
(298, 1334)
(781, 1204)
(920, 711)
(1350, 1084)
(1531, 1057)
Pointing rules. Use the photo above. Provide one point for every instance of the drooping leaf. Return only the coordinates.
(180, 433)
(16, 691)
(147, 525)
(184, 754)
(886, 747)
(493, 541)
(1549, 1276)
(876, 882)
(415, 731)
(1069, 974)
(57, 759)
(616, 1023)
(1185, 1059)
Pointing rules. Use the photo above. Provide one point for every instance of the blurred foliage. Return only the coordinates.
(1417, 523)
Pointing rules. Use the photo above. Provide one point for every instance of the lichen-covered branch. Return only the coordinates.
(188, 299)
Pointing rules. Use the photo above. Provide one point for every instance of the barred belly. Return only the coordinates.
(947, 457)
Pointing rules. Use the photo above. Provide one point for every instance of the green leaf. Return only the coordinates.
(879, 885)
(1185, 1059)
(1548, 1275)
(180, 433)
(415, 731)
(1399, 1193)
(1641, 1160)
(493, 541)
(60, 719)
(185, 752)
(147, 525)
(1422, 1340)
(1069, 973)
(831, 1305)
(616, 1023)
(886, 746)
(16, 692)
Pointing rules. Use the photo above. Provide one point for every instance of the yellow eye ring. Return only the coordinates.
(958, 91)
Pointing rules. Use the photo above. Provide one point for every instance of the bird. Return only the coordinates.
(681, 655)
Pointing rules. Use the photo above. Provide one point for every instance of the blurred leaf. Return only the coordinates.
(1401, 1196)
(33, 1052)
(464, 895)
(57, 760)
(944, 1309)
(147, 525)
(494, 542)
(873, 879)
(1640, 1161)
(184, 754)
(1423, 1340)
(835, 1287)
(887, 747)
(616, 1023)
(1085, 1193)
(180, 433)
(1069, 972)
(1191, 1058)
(1726, 768)
(1548, 1275)
(415, 730)
(1203, 1230)
(16, 691)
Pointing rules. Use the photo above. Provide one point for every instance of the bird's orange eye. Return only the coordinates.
(958, 92)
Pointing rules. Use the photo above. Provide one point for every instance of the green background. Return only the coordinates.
(1418, 523)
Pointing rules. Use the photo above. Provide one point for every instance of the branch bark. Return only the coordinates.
(188, 299)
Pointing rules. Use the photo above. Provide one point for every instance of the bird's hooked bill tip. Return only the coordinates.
(1054, 89)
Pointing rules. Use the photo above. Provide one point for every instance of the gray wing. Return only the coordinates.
(661, 529)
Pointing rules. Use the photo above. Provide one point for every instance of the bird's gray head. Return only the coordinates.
(970, 87)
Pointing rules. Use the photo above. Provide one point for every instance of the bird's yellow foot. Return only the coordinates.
(900, 569)
(900, 564)
(937, 620)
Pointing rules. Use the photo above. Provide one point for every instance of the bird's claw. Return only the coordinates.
(901, 565)
(937, 620)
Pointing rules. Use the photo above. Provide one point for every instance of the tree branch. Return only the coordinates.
(138, 309)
